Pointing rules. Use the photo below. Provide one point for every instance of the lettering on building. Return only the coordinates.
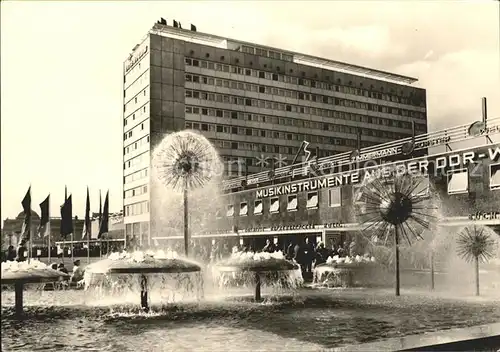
(479, 128)
(309, 185)
(292, 227)
(432, 142)
(417, 167)
(332, 225)
(492, 215)
(376, 154)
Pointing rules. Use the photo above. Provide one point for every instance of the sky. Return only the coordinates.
(61, 72)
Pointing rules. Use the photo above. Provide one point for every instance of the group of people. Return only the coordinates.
(303, 252)
(76, 273)
(306, 254)
(20, 255)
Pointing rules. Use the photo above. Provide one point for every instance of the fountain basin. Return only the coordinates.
(34, 272)
(350, 274)
(144, 274)
(255, 262)
(167, 266)
(268, 265)
(143, 263)
(268, 269)
(33, 276)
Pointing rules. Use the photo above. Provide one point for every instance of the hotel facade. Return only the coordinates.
(256, 104)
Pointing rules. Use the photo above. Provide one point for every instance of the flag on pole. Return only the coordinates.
(44, 228)
(104, 226)
(100, 209)
(26, 203)
(87, 223)
(67, 217)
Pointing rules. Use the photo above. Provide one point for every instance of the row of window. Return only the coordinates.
(137, 113)
(291, 136)
(266, 53)
(134, 146)
(246, 116)
(343, 88)
(273, 204)
(134, 192)
(137, 229)
(323, 99)
(136, 103)
(138, 175)
(136, 160)
(137, 129)
(135, 88)
(270, 148)
(262, 104)
(458, 180)
(137, 208)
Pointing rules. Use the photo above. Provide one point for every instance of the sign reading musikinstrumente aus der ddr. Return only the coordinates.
(419, 166)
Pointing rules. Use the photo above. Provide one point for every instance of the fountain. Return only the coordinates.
(185, 161)
(258, 269)
(475, 245)
(22, 273)
(182, 161)
(144, 272)
(388, 207)
(347, 271)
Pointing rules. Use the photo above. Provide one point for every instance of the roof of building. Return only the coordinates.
(34, 215)
(300, 58)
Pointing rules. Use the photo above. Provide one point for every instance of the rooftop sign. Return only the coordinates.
(135, 57)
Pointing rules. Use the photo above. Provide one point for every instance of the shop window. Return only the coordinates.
(258, 207)
(275, 205)
(334, 197)
(495, 176)
(230, 210)
(292, 202)
(312, 200)
(458, 181)
(357, 195)
(243, 208)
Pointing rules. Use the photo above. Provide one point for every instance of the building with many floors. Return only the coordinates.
(256, 104)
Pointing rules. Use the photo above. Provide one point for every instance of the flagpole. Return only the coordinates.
(64, 236)
(88, 226)
(63, 246)
(100, 219)
(73, 240)
(48, 228)
(89, 233)
(30, 244)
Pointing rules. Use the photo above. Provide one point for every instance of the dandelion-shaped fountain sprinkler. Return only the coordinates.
(393, 207)
(185, 161)
(477, 246)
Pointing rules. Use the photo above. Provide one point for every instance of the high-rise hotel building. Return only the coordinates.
(250, 101)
